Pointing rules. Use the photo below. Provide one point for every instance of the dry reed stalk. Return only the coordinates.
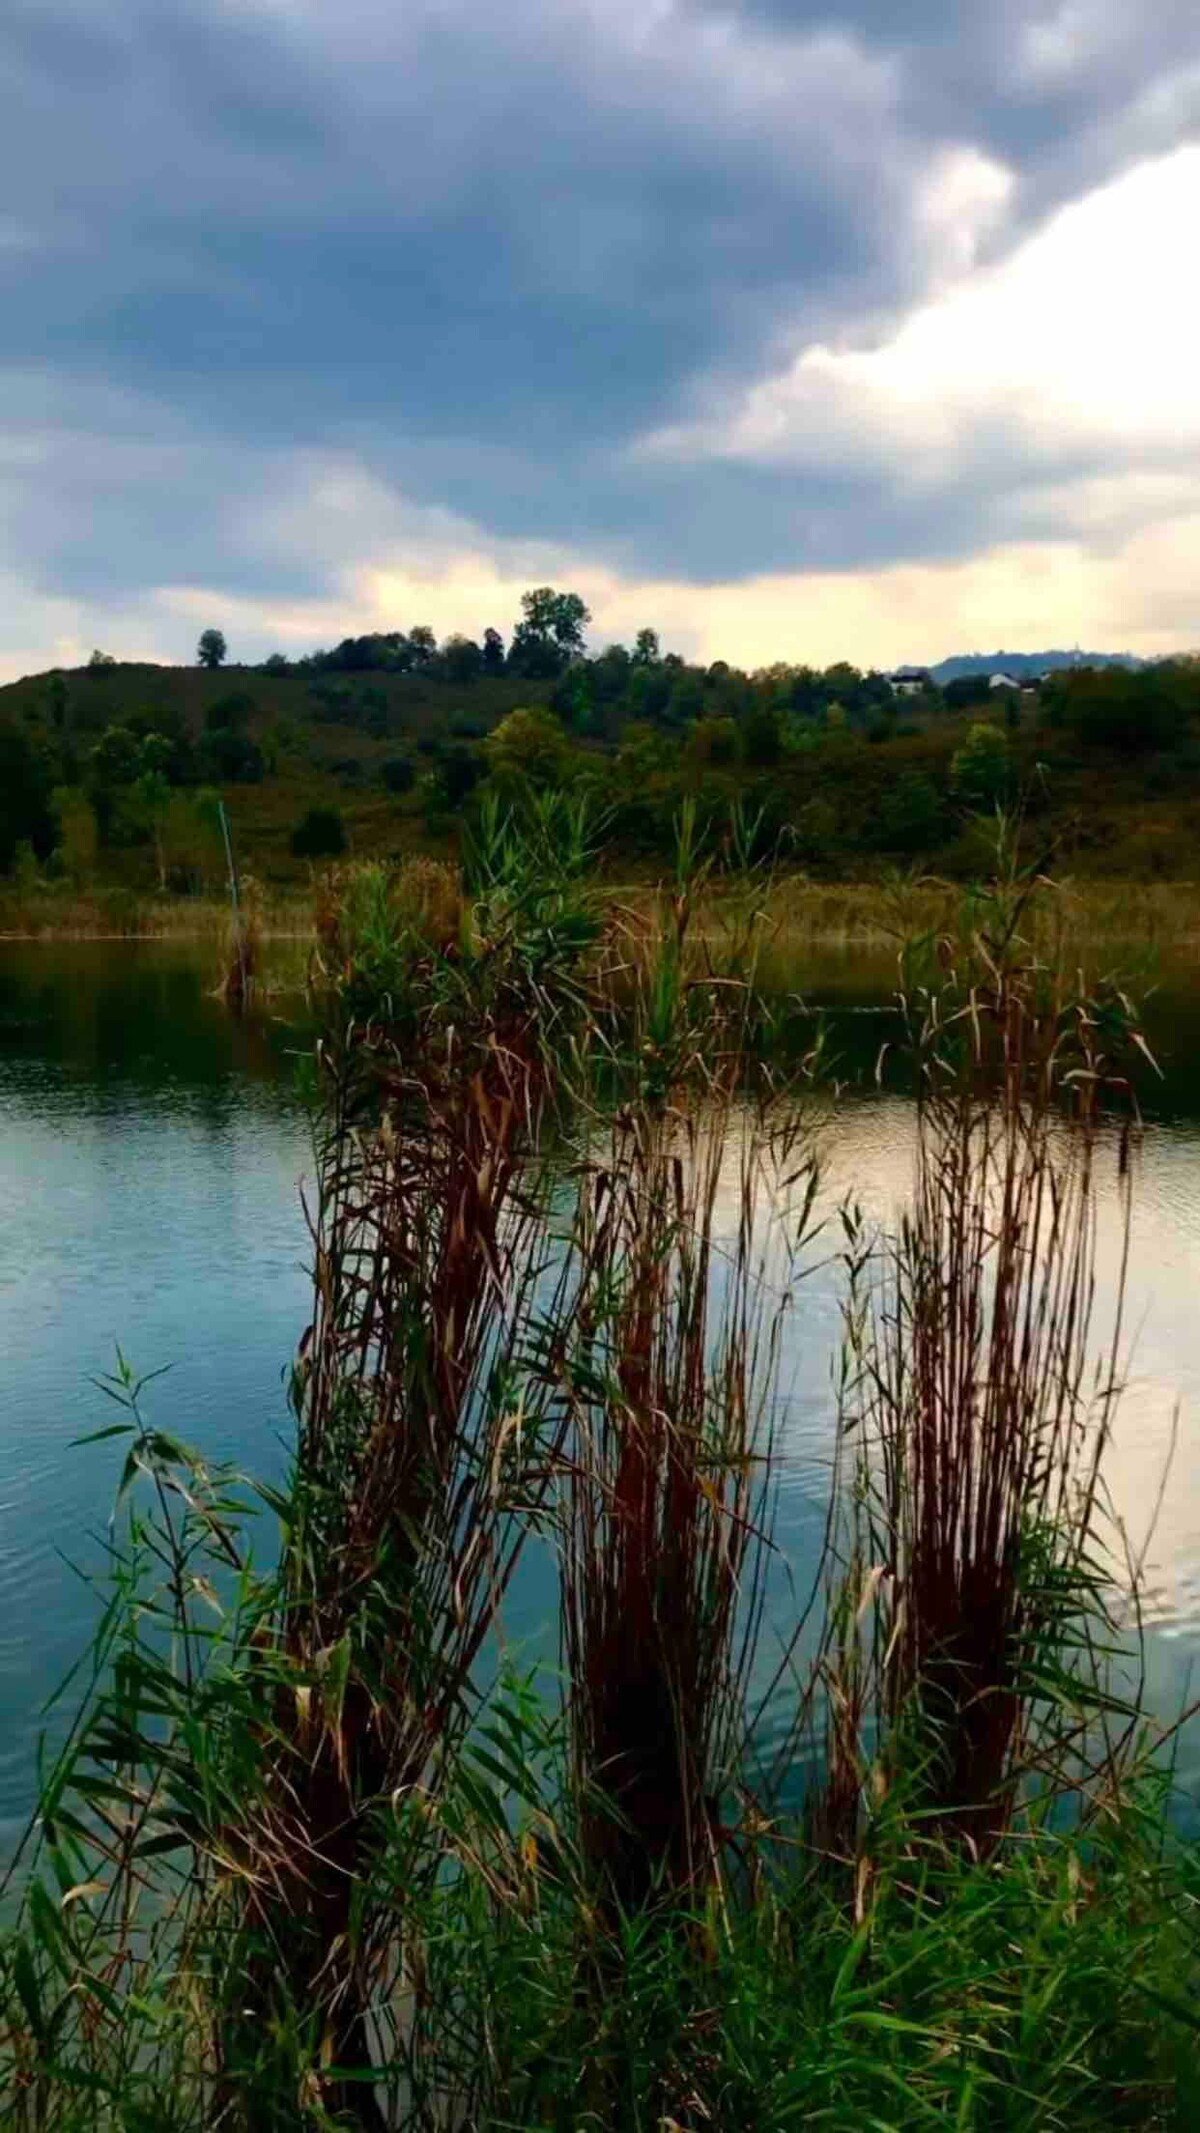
(984, 1407)
(670, 1393)
(426, 1444)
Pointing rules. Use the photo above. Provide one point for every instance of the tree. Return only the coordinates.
(550, 634)
(422, 646)
(26, 815)
(528, 747)
(211, 650)
(319, 834)
(763, 736)
(229, 757)
(152, 798)
(462, 660)
(1110, 707)
(398, 773)
(965, 690)
(229, 714)
(645, 649)
(77, 839)
(493, 652)
(714, 740)
(56, 697)
(980, 768)
(910, 815)
(117, 757)
(458, 775)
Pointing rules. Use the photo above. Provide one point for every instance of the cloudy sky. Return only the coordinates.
(798, 331)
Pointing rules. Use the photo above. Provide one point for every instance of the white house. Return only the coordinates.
(909, 681)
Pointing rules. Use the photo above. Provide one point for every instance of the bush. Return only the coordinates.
(398, 773)
(227, 757)
(229, 714)
(319, 834)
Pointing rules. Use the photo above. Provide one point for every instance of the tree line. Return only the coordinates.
(834, 766)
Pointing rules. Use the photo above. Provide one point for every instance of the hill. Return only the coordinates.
(1025, 666)
(109, 774)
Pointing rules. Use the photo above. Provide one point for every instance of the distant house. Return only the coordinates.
(910, 681)
(1004, 681)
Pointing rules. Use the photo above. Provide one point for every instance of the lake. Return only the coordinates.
(152, 1151)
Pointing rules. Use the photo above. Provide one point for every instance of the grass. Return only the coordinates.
(315, 1856)
(796, 914)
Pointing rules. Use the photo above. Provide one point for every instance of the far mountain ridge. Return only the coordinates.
(1025, 666)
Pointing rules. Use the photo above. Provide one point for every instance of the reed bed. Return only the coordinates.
(117, 913)
(981, 1401)
(316, 1855)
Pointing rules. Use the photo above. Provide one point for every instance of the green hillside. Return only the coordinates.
(109, 774)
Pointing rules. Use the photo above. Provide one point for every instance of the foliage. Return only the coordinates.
(528, 748)
(398, 773)
(549, 634)
(1135, 712)
(844, 777)
(212, 649)
(25, 796)
(319, 834)
(980, 768)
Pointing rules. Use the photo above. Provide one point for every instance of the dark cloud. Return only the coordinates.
(485, 250)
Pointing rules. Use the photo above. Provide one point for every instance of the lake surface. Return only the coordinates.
(152, 1151)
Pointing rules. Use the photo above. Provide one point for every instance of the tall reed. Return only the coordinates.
(688, 1214)
(426, 1443)
(983, 1404)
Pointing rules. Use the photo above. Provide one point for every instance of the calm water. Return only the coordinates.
(151, 1154)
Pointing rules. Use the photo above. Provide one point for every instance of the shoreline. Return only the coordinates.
(790, 910)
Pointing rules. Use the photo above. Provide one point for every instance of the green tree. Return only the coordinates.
(319, 834)
(77, 840)
(980, 769)
(212, 649)
(398, 773)
(457, 775)
(56, 697)
(763, 736)
(911, 817)
(493, 652)
(1133, 712)
(152, 800)
(646, 648)
(26, 812)
(714, 740)
(528, 747)
(550, 633)
(422, 647)
(462, 659)
(116, 758)
(229, 714)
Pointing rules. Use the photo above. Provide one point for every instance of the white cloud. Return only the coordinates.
(1085, 340)
(960, 202)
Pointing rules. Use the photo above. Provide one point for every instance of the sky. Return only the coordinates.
(794, 331)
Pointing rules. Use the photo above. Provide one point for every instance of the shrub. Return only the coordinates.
(319, 834)
(980, 768)
(398, 773)
(231, 758)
